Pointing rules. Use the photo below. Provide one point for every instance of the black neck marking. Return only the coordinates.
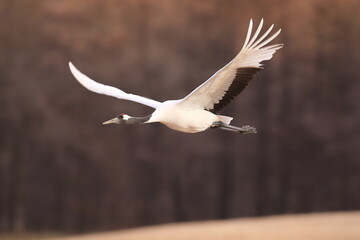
(138, 120)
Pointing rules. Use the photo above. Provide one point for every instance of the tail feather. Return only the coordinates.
(225, 119)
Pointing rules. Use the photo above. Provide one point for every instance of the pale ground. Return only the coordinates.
(321, 226)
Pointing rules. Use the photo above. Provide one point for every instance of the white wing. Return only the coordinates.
(229, 81)
(109, 90)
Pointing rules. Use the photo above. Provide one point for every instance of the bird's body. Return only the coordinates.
(185, 119)
(198, 111)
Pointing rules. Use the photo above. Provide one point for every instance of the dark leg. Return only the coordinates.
(244, 130)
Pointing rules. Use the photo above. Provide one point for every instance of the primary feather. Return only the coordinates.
(229, 81)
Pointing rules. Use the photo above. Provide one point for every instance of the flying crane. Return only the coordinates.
(199, 110)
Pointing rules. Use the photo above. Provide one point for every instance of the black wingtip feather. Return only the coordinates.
(242, 78)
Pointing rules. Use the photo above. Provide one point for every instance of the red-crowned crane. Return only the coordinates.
(198, 111)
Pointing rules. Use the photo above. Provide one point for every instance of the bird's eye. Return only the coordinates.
(121, 116)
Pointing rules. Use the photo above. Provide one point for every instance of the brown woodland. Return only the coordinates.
(61, 170)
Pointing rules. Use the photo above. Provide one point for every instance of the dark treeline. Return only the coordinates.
(61, 170)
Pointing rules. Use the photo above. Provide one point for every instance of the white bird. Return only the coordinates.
(198, 111)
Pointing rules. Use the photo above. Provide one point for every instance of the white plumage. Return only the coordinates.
(198, 111)
(109, 90)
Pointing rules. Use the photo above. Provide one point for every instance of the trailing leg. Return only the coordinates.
(244, 130)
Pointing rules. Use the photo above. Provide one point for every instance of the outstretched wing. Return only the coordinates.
(229, 81)
(109, 90)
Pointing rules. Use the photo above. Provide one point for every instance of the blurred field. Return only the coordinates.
(329, 226)
(29, 236)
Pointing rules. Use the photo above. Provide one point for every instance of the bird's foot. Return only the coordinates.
(247, 129)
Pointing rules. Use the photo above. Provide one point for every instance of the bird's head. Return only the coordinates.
(122, 118)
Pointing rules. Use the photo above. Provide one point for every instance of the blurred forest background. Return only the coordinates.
(61, 170)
